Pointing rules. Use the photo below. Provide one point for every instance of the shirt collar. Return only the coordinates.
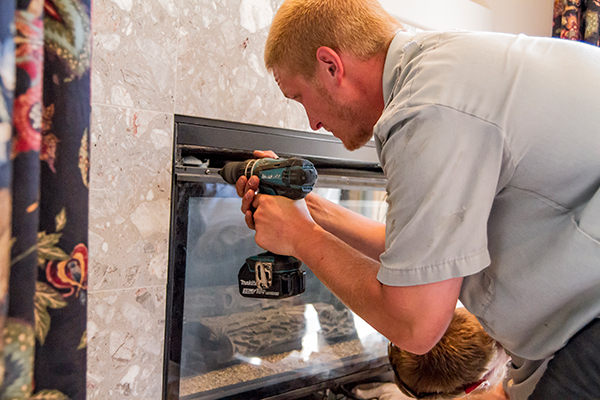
(392, 61)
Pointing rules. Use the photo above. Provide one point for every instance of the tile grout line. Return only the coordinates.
(177, 56)
(130, 108)
(125, 289)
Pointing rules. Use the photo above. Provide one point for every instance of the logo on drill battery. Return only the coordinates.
(247, 283)
(264, 275)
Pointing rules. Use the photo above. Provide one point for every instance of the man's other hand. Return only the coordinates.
(246, 188)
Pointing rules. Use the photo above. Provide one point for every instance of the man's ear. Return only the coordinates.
(330, 65)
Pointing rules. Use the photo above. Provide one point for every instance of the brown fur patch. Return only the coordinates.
(458, 359)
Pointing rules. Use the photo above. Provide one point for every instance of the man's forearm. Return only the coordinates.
(359, 232)
(412, 317)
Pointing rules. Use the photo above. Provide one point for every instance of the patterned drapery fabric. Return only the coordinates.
(45, 53)
(577, 20)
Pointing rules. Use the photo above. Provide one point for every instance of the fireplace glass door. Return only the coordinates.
(234, 347)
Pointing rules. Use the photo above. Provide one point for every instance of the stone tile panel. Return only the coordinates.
(130, 197)
(134, 53)
(220, 68)
(125, 344)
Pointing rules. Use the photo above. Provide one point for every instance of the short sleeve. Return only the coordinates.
(443, 168)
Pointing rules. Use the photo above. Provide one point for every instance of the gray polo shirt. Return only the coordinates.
(491, 147)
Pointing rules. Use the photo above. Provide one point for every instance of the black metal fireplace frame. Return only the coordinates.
(236, 141)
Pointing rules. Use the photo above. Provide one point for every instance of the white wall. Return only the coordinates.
(532, 17)
(441, 14)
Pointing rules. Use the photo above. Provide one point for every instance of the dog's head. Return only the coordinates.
(465, 360)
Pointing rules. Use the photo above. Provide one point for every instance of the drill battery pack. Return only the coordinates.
(271, 276)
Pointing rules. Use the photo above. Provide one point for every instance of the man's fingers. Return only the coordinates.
(246, 188)
(249, 217)
(265, 154)
(255, 201)
(249, 204)
(244, 184)
(240, 186)
(247, 201)
(253, 182)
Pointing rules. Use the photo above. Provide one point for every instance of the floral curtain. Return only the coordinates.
(45, 51)
(577, 20)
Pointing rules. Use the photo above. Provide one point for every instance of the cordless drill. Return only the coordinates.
(269, 275)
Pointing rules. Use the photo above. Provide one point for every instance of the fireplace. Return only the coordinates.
(220, 345)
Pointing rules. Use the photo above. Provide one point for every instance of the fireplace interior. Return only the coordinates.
(220, 345)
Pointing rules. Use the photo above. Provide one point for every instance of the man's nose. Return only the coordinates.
(315, 125)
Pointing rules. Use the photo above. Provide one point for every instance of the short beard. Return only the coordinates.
(347, 113)
(356, 142)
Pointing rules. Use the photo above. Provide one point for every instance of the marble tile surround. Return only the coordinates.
(125, 347)
(220, 69)
(130, 196)
(134, 53)
(130, 184)
(152, 59)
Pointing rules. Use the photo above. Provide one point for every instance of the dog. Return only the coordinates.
(465, 364)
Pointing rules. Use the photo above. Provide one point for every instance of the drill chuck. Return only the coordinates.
(232, 171)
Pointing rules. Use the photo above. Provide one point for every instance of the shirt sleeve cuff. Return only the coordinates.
(459, 267)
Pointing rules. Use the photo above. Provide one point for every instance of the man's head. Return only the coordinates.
(361, 28)
(328, 55)
(342, 117)
(466, 360)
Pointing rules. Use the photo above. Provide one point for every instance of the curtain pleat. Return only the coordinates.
(7, 86)
(45, 114)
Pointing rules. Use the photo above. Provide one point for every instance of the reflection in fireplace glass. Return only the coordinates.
(230, 343)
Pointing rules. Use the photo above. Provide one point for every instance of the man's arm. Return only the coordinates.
(413, 317)
(341, 247)
(358, 231)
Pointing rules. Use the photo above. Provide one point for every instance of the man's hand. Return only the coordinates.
(246, 188)
(276, 219)
(280, 223)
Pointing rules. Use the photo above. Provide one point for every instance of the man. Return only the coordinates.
(491, 147)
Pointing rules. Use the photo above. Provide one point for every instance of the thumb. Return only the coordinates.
(265, 154)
